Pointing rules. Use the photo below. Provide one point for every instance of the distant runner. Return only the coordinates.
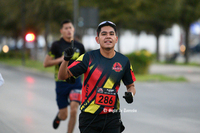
(68, 91)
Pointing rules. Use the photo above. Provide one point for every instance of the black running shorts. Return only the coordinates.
(102, 123)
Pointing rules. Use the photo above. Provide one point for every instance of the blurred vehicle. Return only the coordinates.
(195, 49)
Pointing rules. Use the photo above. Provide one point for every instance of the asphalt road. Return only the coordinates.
(27, 105)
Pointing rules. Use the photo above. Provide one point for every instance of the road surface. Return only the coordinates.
(27, 105)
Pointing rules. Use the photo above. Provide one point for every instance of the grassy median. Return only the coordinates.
(38, 65)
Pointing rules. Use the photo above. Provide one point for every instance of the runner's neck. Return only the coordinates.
(107, 53)
(68, 39)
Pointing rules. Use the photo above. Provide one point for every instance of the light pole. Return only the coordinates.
(23, 31)
(75, 16)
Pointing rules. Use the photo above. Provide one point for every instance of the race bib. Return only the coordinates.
(105, 97)
(75, 95)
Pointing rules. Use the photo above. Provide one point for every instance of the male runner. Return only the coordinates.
(70, 88)
(103, 70)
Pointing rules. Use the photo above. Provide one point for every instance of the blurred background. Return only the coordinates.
(169, 29)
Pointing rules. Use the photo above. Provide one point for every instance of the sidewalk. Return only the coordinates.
(191, 73)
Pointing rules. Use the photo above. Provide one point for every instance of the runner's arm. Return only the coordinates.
(131, 88)
(64, 72)
(50, 61)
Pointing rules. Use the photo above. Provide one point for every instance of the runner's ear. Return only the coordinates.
(97, 39)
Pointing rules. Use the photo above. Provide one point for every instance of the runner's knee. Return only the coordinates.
(63, 116)
(73, 112)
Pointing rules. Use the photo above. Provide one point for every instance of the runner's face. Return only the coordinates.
(67, 31)
(107, 38)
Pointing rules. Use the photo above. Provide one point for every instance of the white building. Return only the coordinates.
(130, 42)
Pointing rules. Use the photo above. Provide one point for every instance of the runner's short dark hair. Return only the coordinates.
(65, 22)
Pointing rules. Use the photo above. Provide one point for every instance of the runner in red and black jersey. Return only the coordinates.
(103, 70)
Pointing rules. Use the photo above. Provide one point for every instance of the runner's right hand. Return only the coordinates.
(68, 53)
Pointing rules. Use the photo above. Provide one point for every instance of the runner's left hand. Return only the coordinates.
(128, 97)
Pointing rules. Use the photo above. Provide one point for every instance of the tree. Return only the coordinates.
(39, 16)
(155, 17)
(188, 12)
(10, 22)
(118, 11)
(139, 15)
(46, 15)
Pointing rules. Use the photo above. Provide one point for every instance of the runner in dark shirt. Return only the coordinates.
(68, 91)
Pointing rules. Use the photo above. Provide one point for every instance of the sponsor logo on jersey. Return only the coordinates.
(117, 67)
(100, 90)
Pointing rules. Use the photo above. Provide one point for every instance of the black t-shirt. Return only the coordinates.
(103, 73)
(57, 50)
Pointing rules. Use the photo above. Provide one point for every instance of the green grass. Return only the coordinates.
(181, 64)
(158, 78)
(32, 64)
(37, 65)
(189, 64)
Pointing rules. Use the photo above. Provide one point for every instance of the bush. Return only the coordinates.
(140, 61)
(17, 54)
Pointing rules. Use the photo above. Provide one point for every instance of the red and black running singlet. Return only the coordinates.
(102, 78)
